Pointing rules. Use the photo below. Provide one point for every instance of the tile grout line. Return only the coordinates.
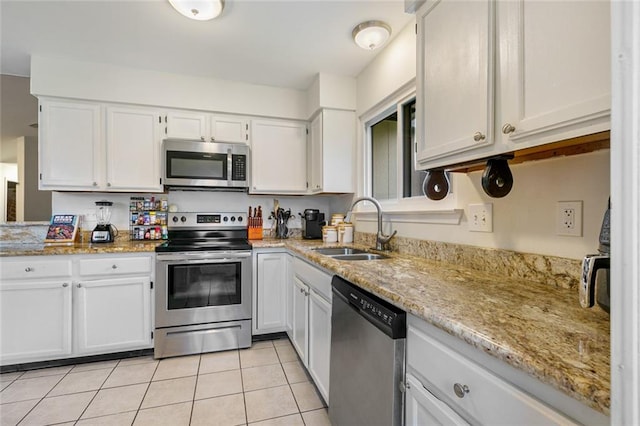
(195, 388)
(96, 394)
(41, 399)
(244, 393)
(145, 392)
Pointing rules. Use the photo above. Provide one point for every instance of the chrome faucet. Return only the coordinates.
(381, 239)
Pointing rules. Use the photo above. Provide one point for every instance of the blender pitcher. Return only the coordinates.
(104, 232)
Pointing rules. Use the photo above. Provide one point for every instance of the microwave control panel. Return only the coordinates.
(239, 167)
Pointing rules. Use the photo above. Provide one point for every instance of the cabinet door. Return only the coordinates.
(271, 308)
(315, 161)
(455, 77)
(187, 125)
(278, 157)
(112, 315)
(35, 320)
(69, 143)
(300, 318)
(423, 408)
(319, 342)
(133, 149)
(289, 297)
(227, 128)
(557, 80)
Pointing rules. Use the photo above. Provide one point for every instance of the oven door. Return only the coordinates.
(202, 287)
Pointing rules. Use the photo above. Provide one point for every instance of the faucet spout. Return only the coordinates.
(381, 238)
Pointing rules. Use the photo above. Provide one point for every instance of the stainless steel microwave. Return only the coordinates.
(197, 164)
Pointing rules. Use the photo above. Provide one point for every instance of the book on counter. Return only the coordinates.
(63, 229)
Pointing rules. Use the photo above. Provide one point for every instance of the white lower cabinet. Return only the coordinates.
(269, 302)
(319, 341)
(35, 320)
(112, 315)
(289, 292)
(68, 314)
(450, 382)
(311, 334)
(300, 318)
(423, 408)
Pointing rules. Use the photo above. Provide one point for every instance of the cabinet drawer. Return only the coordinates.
(35, 268)
(115, 266)
(483, 397)
(314, 277)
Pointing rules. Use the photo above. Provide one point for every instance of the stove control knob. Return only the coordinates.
(233, 218)
(226, 219)
(239, 218)
(175, 218)
(183, 219)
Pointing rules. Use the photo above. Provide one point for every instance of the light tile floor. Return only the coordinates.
(264, 385)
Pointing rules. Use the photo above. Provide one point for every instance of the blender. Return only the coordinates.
(104, 232)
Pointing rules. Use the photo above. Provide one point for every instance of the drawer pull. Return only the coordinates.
(114, 266)
(460, 390)
(65, 285)
(478, 136)
(79, 285)
(28, 269)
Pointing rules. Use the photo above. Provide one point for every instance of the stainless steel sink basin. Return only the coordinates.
(360, 256)
(334, 251)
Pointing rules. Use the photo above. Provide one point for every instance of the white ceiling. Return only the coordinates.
(271, 42)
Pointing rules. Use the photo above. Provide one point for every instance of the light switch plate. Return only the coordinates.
(480, 217)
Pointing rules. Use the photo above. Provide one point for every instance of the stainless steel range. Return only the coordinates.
(203, 292)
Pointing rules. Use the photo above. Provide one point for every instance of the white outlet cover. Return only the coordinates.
(480, 217)
(569, 218)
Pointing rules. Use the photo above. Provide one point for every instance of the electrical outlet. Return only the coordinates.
(569, 218)
(481, 217)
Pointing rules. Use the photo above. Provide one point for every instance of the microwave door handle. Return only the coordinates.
(229, 167)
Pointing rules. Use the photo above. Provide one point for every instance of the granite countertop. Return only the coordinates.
(535, 327)
(538, 328)
(121, 245)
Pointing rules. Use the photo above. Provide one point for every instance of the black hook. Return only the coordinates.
(497, 179)
(436, 185)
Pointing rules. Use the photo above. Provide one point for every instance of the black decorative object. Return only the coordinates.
(497, 179)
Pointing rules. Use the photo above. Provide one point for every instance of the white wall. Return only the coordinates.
(110, 83)
(33, 204)
(194, 201)
(8, 172)
(524, 220)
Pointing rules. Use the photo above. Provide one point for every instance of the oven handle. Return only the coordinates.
(202, 257)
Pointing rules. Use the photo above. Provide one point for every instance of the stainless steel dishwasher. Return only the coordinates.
(367, 358)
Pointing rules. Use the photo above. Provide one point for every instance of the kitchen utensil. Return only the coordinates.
(595, 279)
(104, 232)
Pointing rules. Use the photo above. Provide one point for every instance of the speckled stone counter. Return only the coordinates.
(121, 245)
(535, 327)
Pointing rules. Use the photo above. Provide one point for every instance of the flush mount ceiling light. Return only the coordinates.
(200, 10)
(371, 34)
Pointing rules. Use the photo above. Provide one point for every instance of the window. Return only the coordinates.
(392, 141)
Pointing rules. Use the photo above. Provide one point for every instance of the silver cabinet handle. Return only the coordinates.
(460, 390)
(95, 183)
(508, 128)
(28, 269)
(213, 139)
(108, 183)
(202, 138)
(478, 137)
(114, 266)
(65, 285)
(79, 285)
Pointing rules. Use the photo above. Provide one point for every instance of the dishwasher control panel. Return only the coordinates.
(387, 317)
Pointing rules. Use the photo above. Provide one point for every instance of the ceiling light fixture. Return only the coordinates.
(371, 34)
(200, 10)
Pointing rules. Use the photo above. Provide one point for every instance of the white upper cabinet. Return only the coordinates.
(331, 155)
(454, 78)
(498, 76)
(278, 157)
(133, 149)
(557, 79)
(70, 145)
(94, 147)
(206, 127)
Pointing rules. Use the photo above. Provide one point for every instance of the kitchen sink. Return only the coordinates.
(334, 251)
(360, 256)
